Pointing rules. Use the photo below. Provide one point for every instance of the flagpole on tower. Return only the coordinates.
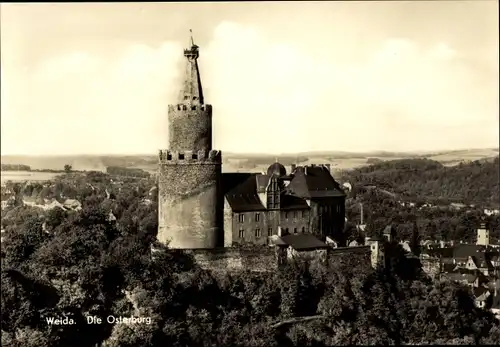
(191, 34)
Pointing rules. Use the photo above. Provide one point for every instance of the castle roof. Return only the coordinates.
(241, 189)
(303, 242)
(314, 182)
(276, 169)
(243, 196)
(192, 91)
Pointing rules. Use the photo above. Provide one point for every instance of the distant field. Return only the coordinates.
(17, 176)
(234, 162)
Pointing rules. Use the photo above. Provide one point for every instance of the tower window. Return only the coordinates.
(269, 231)
(181, 156)
(241, 218)
(195, 156)
(303, 229)
(186, 97)
(286, 215)
(295, 230)
(257, 217)
(257, 232)
(303, 214)
(241, 233)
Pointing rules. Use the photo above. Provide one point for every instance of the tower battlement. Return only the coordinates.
(190, 157)
(185, 107)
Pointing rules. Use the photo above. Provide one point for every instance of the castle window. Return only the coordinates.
(186, 97)
(241, 233)
(181, 156)
(269, 231)
(241, 218)
(257, 217)
(303, 229)
(195, 156)
(257, 232)
(169, 156)
(286, 215)
(295, 230)
(286, 230)
(303, 214)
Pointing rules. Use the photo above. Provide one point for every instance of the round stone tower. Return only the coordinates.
(189, 211)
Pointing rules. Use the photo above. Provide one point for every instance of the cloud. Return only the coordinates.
(266, 96)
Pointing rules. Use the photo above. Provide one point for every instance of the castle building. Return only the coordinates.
(199, 207)
(260, 205)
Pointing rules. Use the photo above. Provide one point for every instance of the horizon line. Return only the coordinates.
(415, 151)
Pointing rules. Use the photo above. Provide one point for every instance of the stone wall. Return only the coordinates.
(189, 211)
(190, 127)
(265, 258)
(259, 259)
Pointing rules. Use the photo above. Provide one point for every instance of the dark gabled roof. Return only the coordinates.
(290, 202)
(303, 242)
(481, 260)
(446, 252)
(241, 191)
(243, 196)
(232, 179)
(464, 251)
(479, 292)
(314, 182)
(449, 268)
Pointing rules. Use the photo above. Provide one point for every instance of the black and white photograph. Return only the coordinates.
(275, 173)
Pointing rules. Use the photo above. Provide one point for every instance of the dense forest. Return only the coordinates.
(15, 167)
(77, 264)
(127, 172)
(425, 182)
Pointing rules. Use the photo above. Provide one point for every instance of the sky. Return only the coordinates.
(97, 78)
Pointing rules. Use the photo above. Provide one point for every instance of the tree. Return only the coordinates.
(67, 168)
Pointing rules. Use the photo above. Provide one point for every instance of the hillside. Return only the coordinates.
(404, 192)
(428, 180)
